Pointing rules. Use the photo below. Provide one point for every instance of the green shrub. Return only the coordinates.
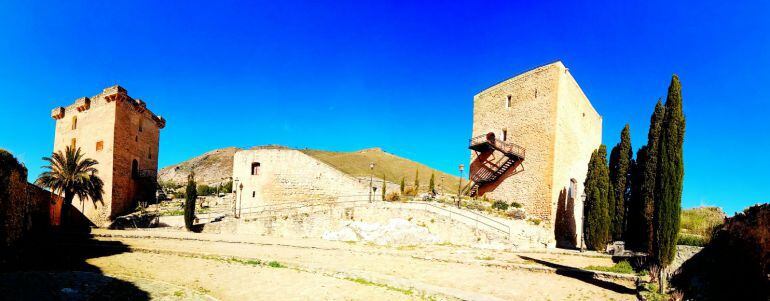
(515, 205)
(623, 267)
(500, 205)
(692, 240)
(275, 264)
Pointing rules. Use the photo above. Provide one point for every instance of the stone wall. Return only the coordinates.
(735, 265)
(24, 208)
(113, 129)
(315, 221)
(287, 175)
(578, 134)
(530, 122)
(553, 120)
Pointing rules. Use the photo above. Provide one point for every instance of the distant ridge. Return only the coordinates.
(213, 166)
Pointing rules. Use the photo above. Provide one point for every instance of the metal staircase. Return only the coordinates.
(490, 172)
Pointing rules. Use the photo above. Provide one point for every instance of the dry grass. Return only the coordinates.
(700, 221)
(392, 167)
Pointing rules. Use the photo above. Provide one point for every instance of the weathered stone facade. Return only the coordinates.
(122, 135)
(545, 111)
(276, 175)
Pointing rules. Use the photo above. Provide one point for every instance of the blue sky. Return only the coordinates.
(346, 75)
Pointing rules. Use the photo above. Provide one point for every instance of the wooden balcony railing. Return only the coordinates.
(502, 146)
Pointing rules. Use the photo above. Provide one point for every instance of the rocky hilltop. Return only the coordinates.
(210, 168)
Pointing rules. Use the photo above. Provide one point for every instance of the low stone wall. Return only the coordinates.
(456, 227)
(683, 254)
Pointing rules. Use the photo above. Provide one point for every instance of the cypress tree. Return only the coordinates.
(403, 185)
(416, 181)
(635, 216)
(191, 194)
(668, 188)
(384, 188)
(620, 167)
(648, 174)
(432, 183)
(596, 211)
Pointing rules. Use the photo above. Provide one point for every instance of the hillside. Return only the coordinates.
(212, 166)
(701, 220)
(387, 165)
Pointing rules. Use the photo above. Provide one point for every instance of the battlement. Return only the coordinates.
(113, 94)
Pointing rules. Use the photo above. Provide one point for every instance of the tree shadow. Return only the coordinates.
(564, 227)
(54, 267)
(582, 275)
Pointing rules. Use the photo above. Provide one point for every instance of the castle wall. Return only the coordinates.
(134, 144)
(578, 134)
(24, 208)
(530, 122)
(287, 175)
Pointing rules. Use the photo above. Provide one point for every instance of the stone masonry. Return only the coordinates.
(122, 135)
(545, 111)
(276, 175)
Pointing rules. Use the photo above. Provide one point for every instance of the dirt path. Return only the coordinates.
(453, 271)
(239, 281)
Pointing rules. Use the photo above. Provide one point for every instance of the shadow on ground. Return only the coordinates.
(54, 267)
(582, 275)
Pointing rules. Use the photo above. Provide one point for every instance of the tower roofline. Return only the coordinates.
(556, 62)
(109, 94)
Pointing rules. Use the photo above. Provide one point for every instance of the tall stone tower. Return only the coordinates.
(533, 137)
(122, 135)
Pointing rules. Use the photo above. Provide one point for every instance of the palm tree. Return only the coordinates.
(71, 174)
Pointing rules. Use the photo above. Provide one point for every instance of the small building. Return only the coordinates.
(271, 175)
(122, 135)
(533, 136)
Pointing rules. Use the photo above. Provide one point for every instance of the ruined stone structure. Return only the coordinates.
(122, 135)
(533, 137)
(276, 174)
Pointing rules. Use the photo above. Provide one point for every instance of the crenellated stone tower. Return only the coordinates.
(122, 135)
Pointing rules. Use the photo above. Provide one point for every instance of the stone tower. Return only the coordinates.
(533, 137)
(122, 135)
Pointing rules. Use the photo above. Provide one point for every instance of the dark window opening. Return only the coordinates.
(508, 102)
(74, 122)
(255, 168)
(253, 194)
(505, 134)
(99, 145)
(572, 189)
(135, 169)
